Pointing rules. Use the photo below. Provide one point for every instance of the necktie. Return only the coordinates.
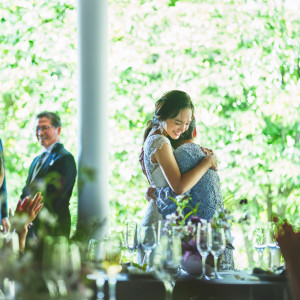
(38, 164)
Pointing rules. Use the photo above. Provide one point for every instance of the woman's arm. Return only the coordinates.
(181, 183)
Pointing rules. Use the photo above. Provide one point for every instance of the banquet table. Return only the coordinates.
(145, 286)
(230, 289)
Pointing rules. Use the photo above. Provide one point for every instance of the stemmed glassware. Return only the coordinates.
(74, 264)
(60, 264)
(110, 255)
(93, 258)
(271, 242)
(55, 264)
(167, 258)
(216, 245)
(202, 245)
(148, 241)
(259, 241)
(131, 238)
(92, 250)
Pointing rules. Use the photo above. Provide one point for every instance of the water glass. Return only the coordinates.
(131, 238)
(272, 243)
(148, 241)
(202, 245)
(259, 241)
(110, 255)
(216, 245)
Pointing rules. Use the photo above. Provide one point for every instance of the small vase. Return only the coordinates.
(193, 265)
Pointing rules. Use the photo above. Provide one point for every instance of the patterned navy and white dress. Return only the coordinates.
(206, 192)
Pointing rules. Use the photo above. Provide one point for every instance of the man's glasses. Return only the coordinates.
(42, 128)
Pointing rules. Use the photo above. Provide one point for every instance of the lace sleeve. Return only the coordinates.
(151, 145)
(155, 143)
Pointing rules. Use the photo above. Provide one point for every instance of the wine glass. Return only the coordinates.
(47, 271)
(60, 264)
(271, 242)
(148, 242)
(92, 249)
(131, 238)
(259, 241)
(202, 245)
(167, 258)
(110, 255)
(216, 245)
(93, 258)
(74, 264)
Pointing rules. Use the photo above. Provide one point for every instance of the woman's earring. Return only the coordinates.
(194, 133)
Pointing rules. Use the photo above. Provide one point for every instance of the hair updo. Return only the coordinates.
(169, 106)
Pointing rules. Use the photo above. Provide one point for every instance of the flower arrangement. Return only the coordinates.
(185, 221)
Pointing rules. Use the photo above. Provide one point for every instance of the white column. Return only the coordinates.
(93, 202)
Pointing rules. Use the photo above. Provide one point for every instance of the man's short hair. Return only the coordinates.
(54, 118)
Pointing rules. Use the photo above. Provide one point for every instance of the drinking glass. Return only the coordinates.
(92, 249)
(74, 265)
(202, 245)
(47, 270)
(148, 242)
(259, 241)
(60, 264)
(216, 245)
(167, 258)
(271, 242)
(110, 255)
(131, 238)
(93, 258)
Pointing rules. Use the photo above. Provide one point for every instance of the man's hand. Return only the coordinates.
(149, 195)
(5, 225)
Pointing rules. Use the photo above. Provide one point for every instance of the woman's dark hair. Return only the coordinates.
(169, 106)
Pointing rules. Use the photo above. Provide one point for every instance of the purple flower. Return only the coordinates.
(195, 220)
(244, 201)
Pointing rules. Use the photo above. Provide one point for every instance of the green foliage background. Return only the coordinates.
(238, 59)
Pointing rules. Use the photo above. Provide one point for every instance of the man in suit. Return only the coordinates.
(3, 200)
(52, 173)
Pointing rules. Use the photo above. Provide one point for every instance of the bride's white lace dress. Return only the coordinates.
(154, 174)
(156, 178)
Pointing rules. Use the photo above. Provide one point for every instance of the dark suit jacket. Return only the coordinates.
(55, 180)
(3, 195)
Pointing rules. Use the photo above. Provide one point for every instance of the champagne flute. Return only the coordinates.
(202, 245)
(110, 254)
(167, 257)
(131, 238)
(216, 245)
(74, 264)
(47, 271)
(60, 264)
(92, 250)
(259, 241)
(271, 242)
(148, 242)
(93, 257)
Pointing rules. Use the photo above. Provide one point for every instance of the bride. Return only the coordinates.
(174, 112)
